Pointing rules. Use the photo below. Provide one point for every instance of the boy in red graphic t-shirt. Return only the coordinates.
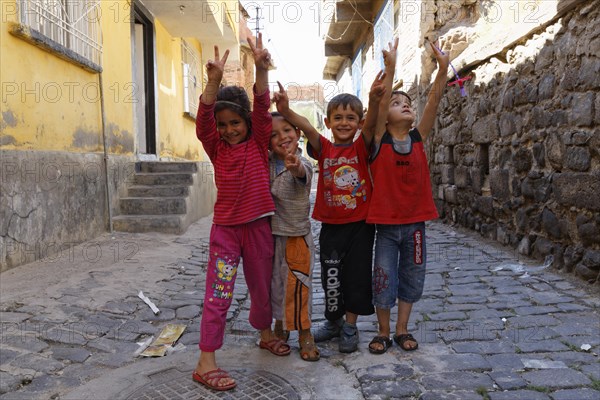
(342, 203)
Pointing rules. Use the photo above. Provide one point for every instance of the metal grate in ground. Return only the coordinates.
(173, 384)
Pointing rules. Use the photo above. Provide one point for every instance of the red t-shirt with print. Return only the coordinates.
(344, 185)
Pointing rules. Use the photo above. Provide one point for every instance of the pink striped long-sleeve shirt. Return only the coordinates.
(241, 170)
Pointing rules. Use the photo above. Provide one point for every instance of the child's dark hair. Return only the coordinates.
(276, 114)
(345, 100)
(236, 99)
(400, 92)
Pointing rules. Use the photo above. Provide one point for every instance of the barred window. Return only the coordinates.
(192, 84)
(357, 71)
(72, 24)
(384, 31)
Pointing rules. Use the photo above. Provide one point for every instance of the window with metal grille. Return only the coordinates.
(192, 84)
(383, 31)
(72, 24)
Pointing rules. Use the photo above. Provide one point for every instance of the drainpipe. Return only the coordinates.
(106, 169)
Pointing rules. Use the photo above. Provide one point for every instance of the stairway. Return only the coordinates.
(159, 198)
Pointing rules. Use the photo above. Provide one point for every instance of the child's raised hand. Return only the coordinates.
(292, 162)
(282, 102)
(389, 56)
(377, 88)
(443, 59)
(262, 58)
(215, 68)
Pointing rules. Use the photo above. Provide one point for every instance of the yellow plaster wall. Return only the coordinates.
(118, 82)
(176, 132)
(47, 103)
(233, 15)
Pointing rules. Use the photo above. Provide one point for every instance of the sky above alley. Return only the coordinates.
(293, 35)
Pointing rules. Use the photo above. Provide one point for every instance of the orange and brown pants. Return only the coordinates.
(291, 284)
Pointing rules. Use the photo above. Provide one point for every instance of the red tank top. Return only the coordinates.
(401, 184)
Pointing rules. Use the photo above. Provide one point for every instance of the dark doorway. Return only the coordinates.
(143, 72)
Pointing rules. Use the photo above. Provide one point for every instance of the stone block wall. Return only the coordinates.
(519, 159)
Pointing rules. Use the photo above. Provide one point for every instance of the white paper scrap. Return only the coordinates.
(143, 345)
(146, 300)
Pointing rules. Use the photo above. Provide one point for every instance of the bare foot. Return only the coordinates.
(266, 335)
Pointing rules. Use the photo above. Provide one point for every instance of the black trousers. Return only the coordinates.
(346, 254)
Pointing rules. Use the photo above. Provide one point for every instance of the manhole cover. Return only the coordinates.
(251, 384)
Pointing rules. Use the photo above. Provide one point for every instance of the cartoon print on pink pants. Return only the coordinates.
(225, 272)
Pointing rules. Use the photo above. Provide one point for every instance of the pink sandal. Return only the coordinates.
(214, 376)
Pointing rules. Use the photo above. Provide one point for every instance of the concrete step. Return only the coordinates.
(158, 191)
(152, 205)
(163, 179)
(157, 166)
(157, 198)
(173, 223)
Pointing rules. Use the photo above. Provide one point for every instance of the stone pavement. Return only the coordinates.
(490, 326)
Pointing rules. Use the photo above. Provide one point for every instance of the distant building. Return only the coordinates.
(240, 71)
(90, 90)
(353, 43)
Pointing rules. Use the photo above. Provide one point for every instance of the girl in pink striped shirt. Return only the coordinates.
(236, 141)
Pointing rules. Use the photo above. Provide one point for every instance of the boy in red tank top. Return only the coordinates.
(402, 202)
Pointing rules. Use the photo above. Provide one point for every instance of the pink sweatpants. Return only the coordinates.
(254, 243)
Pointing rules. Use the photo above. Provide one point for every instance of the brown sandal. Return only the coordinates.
(275, 346)
(308, 348)
(402, 340)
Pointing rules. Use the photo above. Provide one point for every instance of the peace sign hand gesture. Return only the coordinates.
(292, 162)
(262, 58)
(389, 56)
(377, 89)
(214, 72)
(282, 102)
(215, 68)
(443, 59)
